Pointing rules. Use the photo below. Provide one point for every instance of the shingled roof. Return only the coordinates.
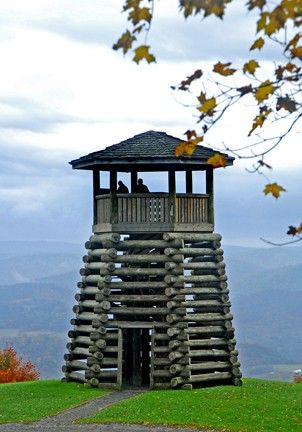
(150, 150)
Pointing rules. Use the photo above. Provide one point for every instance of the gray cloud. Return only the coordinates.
(26, 114)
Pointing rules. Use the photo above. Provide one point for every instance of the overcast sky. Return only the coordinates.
(65, 93)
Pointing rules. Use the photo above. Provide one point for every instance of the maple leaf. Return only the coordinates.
(185, 84)
(188, 147)
(260, 119)
(140, 14)
(296, 51)
(258, 44)
(223, 69)
(274, 189)
(251, 4)
(286, 103)
(207, 105)
(245, 89)
(250, 67)
(264, 91)
(125, 42)
(142, 52)
(217, 161)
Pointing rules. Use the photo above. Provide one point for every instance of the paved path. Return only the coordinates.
(64, 421)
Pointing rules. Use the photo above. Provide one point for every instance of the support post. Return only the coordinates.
(96, 190)
(172, 196)
(189, 182)
(210, 192)
(113, 187)
(133, 181)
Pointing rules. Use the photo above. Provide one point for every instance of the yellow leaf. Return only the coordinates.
(142, 52)
(250, 67)
(260, 119)
(274, 189)
(208, 105)
(188, 147)
(297, 51)
(223, 69)
(264, 91)
(140, 14)
(258, 44)
(217, 161)
(124, 42)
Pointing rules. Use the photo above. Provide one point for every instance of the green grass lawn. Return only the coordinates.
(30, 401)
(257, 406)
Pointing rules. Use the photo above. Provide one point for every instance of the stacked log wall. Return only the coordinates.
(173, 284)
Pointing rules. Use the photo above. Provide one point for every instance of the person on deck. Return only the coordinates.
(141, 187)
(122, 188)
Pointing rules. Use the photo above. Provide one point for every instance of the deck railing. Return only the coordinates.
(153, 208)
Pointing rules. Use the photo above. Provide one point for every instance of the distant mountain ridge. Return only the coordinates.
(265, 289)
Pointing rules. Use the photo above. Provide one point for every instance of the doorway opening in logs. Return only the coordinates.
(136, 363)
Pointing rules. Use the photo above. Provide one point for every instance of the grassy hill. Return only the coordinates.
(258, 405)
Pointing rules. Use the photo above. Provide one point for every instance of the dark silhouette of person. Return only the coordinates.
(122, 188)
(141, 187)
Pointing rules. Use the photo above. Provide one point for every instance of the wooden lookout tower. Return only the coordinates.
(153, 307)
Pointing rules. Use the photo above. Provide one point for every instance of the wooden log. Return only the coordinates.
(97, 253)
(75, 365)
(130, 271)
(90, 290)
(139, 310)
(94, 382)
(147, 258)
(81, 351)
(86, 316)
(171, 318)
(100, 320)
(162, 361)
(95, 368)
(196, 303)
(82, 340)
(102, 306)
(97, 278)
(138, 324)
(139, 285)
(237, 382)
(100, 343)
(195, 265)
(137, 298)
(100, 238)
(96, 335)
(87, 329)
(75, 376)
(161, 374)
(104, 374)
(175, 355)
(147, 244)
(92, 360)
(104, 288)
(192, 251)
(110, 266)
(215, 376)
(206, 330)
(172, 291)
(209, 353)
(109, 361)
(189, 236)
(171, 279)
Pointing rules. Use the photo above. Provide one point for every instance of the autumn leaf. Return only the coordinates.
(142, 52)
(207, 105)
(296, 51)
(223, 69)
(217, 161)
(260, 119)
(140, 14)
(264, 91)
(258, 44)
(251, 4)
(185, 84)
(188, 147)
(125, 42)
(292, 230)
(286, 103)
(274, 189)
(250, 67)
